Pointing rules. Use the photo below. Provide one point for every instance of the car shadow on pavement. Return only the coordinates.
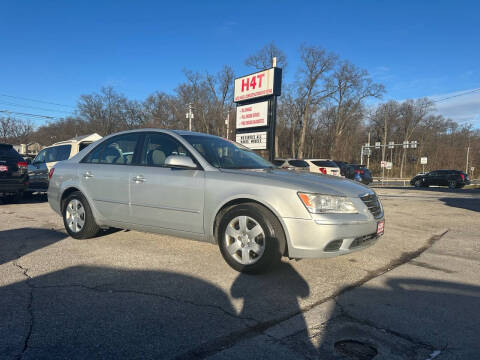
(472, 204)
(16, 243)
(87, 312)
(26, 199)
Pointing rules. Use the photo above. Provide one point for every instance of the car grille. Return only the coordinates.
(373, 204)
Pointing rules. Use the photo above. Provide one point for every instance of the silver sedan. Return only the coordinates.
(207, 188)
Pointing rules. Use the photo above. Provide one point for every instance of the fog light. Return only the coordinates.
(333, 245)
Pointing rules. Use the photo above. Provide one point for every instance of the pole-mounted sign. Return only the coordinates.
(256, 98)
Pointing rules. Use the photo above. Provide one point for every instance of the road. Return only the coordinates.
(413, 295)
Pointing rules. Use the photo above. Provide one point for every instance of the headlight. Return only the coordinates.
(327, 204)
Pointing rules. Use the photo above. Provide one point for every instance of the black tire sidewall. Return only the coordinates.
(274, 238)
(90, 228)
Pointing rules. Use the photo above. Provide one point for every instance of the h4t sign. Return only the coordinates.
(260, 84)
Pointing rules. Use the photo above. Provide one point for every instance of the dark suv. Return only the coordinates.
(13, 173)
(362, 174)
(451, 178)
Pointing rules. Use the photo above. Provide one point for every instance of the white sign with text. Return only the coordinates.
(253, 140)
(253, 115)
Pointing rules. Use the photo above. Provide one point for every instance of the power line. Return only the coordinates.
(40, 101)
(29, 114)
(33, 107)
(454, 96)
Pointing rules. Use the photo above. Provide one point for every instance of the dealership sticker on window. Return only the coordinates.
(253, 140)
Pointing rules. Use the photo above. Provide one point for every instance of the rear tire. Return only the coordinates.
(452, 184)
(250, 238)
(78, 218)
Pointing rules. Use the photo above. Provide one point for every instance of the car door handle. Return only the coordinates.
(87, 175)
(138, 179)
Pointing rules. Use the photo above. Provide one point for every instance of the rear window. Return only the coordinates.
(324, 163)
(298, 163)
(7, 151)
(58, 153)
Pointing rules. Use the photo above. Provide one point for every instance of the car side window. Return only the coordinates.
(118, 150)
(40, 158)
(58, 153)
(94, 156)
(158, 146)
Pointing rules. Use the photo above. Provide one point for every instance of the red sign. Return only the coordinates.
(255, 85)
(380, 227)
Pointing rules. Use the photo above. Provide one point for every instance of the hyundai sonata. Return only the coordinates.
(207, 188)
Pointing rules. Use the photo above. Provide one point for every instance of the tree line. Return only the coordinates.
(325, 112)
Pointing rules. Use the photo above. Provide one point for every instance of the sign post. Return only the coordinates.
(423, 161)
(256, 98)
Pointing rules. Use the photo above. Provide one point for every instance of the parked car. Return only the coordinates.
(323, 166)
(13, 173)
(203, 187)
(49, 156)
(292, 164)
(346, 170)
(451, 178)
(362, 174)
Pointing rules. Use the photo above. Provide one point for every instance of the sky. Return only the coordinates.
(55, 51)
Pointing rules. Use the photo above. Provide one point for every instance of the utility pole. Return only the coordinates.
(466, 166)
(227, 122)
(368, 154)
(189, 116)
(384, 148)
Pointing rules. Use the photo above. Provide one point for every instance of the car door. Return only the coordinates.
(431, 178)
(163, 197)
(38, 172)
(105, 174)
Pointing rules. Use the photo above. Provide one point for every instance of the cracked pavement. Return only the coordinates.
(413, 295)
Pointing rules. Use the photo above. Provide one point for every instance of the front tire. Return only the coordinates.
(418, 183)
(250, 237)
(78, 218)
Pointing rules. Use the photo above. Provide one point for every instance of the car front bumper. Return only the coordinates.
(310, 239)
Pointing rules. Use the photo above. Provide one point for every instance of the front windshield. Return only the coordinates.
(226, 154)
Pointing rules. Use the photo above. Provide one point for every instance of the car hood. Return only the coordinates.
(304, 181)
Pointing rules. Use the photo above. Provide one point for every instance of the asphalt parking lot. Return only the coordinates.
(413, 295)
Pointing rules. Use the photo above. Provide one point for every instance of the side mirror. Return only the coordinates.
(180, 162)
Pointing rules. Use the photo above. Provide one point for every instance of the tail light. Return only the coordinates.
(322, 170)
(361, 172)
(22, 165)
(50, 173)
(463, 176)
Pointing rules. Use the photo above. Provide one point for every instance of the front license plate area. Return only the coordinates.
(380, 227)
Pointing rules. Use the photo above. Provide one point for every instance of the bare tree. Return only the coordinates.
(313, 84)
(262, 59)
(352, 87)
